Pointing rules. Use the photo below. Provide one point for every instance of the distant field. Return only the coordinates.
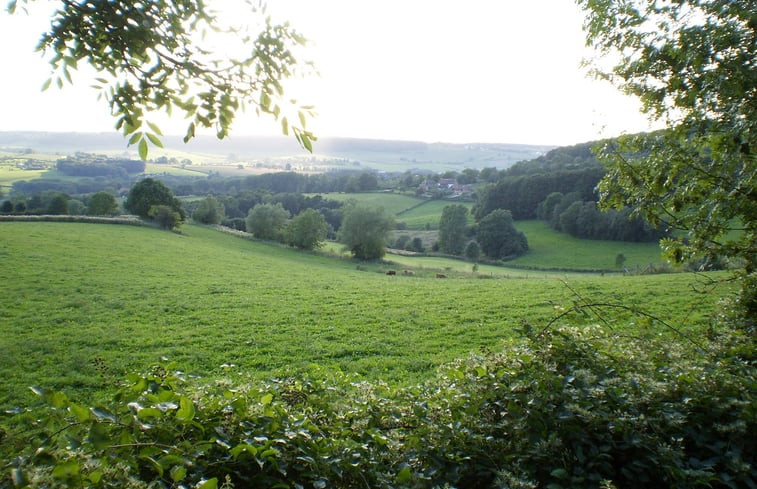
(551, 249)
(392, 203)
(225, 306)
(427, 214)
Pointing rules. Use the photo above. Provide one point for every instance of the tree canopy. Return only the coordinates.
(148, 193)
(452, 227)
(364, 231)
(692, 65)
(267, 221)
(157, 56)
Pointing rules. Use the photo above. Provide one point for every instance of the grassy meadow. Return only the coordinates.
(78, 295)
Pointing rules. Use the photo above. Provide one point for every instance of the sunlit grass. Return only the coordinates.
(129, 295)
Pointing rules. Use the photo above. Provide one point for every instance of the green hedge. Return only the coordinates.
(566, 408)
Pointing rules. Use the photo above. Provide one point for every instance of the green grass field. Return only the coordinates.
(551, 249)
(74, 293)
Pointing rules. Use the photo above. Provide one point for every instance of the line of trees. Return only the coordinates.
(494, 235)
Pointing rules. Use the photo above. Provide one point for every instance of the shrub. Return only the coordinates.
(165, 216)
(569, 407)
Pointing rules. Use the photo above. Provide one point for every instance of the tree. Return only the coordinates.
(209, 211)
(165, 216)
(452, 227)
(7, 207)
(267, 221)
(102, 204)
(58, 204)
(148, 193)
(308, 230)
(365, 230)
(150, 58)
(692, 66)
(498, 237)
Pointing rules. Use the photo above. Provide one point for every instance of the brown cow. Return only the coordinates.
(440, 275)
(391, 272)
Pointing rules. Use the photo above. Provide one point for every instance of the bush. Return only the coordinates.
(569, 407)
(165, 216)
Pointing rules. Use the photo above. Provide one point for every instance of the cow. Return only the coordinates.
(408, 272)
(440, 275)
(391, 272)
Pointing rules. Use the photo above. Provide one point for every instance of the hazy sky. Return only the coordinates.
(431, 70)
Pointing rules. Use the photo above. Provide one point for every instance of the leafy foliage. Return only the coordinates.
(565, 407)
(147, 193)
(102, 204)
(151, 59)
(365, 231)
(498, 238)
(452, 229)
(307, 230)
(209, 211)
(165, 216)
(267, 221)
(692, 65)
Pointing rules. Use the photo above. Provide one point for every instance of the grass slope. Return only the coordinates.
(551, 249)
(75, 293)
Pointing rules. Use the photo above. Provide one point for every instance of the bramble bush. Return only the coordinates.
(563, 407)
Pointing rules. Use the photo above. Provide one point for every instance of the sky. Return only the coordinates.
(495, 71)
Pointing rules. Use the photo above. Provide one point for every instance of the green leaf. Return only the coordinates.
(178, 472)
(154, 128)
(404, 475)
(66, 470)
(37, 390)
(134, 138)
(47, 83)
(98, 436)
(186, 410)
(147, 413)
(154, 140)
(81, 414)
(267, 399)
(11, 7)
(209, 484)
(284, 126)
(95, 477)
(143, 149)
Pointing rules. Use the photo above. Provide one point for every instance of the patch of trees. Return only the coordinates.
(270, 221)
(522, 194)
(585, 220)
(150, 199)
(86, 165)
(365, 230)
(494, 235)
(564, 158)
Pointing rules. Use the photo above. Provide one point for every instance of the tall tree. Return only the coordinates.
(209, 211)
(150, 58)
(365, 230)
(498, 238)
(692, 65)
(267, 221)
(307, 230)
(148, 193)
(102, 204)
(452, 226)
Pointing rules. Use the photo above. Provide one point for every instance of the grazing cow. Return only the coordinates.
(440, 275)
(407, 272)
(391, 272)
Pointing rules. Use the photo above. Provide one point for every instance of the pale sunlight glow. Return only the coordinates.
(428, 70)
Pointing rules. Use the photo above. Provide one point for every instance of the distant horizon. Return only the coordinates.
(233, 136)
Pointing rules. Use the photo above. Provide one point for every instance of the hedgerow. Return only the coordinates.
(565, 407)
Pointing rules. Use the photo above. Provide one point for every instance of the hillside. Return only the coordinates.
(83, 295)
(386, 155)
